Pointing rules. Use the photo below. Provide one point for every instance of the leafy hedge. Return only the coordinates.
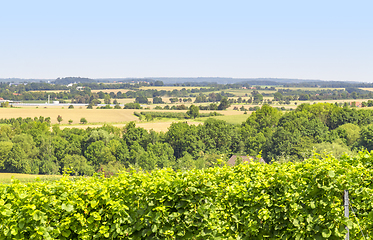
(178, 115)
(255, 201)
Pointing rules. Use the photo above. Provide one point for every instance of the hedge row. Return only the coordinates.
(250, 201)
(179, 115)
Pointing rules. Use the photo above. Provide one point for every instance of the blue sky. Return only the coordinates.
(327, 40)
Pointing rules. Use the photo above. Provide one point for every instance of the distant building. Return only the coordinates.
(70, 84)
(355, 104)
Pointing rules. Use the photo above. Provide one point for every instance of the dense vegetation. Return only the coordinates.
(30, 146)
(250, 201)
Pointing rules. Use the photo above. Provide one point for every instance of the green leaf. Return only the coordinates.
(349, 224)
(326, 233)
(331, 173)
(37, 215)
(68, 207)
(90, 219)
(94, 203)
(66, 233)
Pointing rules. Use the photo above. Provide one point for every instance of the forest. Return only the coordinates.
(34, 146)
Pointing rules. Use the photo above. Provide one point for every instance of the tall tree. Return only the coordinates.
(193, 111)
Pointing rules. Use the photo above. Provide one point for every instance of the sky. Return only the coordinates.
(326, 40)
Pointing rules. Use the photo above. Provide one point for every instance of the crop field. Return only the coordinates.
(367, 89)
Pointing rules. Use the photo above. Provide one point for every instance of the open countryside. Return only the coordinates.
(186, 120)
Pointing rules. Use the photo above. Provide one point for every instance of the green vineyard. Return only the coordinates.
(249, 201)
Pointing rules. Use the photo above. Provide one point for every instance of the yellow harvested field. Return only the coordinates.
(367, 89)
(92, 115)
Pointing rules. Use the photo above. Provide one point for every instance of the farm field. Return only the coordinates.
(367, 89)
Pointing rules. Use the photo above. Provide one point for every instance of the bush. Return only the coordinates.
(280, 201)
(71, 106)
(132, 106)
(83, 121)
(107, 106)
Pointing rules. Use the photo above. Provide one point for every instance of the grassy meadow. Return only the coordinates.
(8, 177)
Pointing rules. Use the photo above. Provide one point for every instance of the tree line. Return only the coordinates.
(31, 146)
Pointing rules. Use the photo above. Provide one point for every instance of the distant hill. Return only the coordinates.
(22, 80)
(252, 81)
(200, 81)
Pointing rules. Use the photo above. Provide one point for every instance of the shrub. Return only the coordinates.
(83, 121)
(279, 201)
(132, 106)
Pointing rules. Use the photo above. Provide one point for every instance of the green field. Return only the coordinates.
(9, 177)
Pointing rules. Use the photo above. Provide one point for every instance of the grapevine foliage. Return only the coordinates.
(250, 201)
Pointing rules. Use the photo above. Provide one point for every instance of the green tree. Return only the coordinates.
(349, 133)
(183, 137)
(83, 121)
(23, 155)
(366, 137)
(193, 111)
(157, 100)
(277, 96)
(224, 104)
(148, 117)
(258, 98)
(59, 119)
(141, 99)
(185, 162)
(132, 134)
(5, 150)
(265, 117)
(107, 99)
(78, 164)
